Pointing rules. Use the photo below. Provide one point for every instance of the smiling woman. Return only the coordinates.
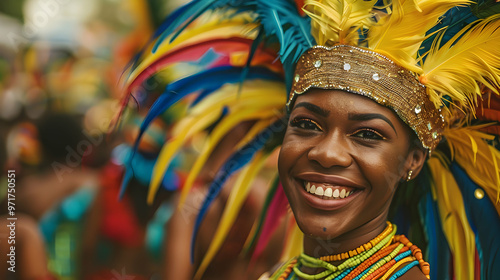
(335, 161)
(380, 100)
(342, 158)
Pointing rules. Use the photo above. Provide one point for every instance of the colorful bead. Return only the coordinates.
(380, 258)
(360, 249)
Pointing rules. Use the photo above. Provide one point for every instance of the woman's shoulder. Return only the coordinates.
(413, 273)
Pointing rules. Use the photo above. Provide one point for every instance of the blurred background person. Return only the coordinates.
(60, 65)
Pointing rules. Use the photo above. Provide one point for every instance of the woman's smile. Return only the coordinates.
(327, 192)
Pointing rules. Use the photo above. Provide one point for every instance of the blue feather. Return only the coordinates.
(164, 25)
(129, 174)
(212, 78)
(239, 159)
(206, 92)
(253, 49)
(193, 11)
(169, 20)
(219, 76)
(140, 167)
(438, 251)
(294, 31)
(484, 221)
(453, 20)
(279, 19)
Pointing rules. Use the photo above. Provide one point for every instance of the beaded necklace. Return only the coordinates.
(386, 257)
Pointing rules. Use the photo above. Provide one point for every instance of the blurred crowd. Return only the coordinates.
(61, 67)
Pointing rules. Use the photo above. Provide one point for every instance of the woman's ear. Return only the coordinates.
(416, 159)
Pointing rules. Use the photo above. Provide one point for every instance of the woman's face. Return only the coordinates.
(341, 160)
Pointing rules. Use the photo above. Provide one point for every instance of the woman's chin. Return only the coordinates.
(318, 228)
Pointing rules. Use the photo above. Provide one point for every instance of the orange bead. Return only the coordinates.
(404, 240)
(426, 268)
(418, 255)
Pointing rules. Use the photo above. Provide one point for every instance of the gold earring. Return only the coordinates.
(409, 175)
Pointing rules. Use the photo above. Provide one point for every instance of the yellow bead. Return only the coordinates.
(479, 193)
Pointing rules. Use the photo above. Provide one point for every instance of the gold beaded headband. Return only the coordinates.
(375, 76)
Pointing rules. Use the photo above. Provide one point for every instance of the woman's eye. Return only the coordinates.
(368, 134)
(306, 124)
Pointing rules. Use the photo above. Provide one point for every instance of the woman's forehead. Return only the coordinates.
(338, 100)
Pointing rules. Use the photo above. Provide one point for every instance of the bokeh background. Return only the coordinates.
(60, 67)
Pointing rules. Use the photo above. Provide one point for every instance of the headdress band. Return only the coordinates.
(373, 75)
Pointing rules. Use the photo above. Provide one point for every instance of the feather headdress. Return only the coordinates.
(437, 55)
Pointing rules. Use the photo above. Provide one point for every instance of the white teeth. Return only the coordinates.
(313, 189)
(328, 192)
(342, 193)
(336, 193)
(319, 191)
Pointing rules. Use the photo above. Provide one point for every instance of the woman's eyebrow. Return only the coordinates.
(365, 117)
(313, 108)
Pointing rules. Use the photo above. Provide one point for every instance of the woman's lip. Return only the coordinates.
(333, 180)
(325, 204)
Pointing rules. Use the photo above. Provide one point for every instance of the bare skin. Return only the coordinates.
(34, 198)
(30, 257)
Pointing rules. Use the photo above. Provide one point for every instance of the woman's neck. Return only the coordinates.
(316, 247)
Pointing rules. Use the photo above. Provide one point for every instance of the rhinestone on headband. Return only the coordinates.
(375, 76)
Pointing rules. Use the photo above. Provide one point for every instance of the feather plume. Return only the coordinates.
(454, 220)
(207, 111)
(484, 221)
(455, 69)
(235, 201)
(469, 148)
(277, 209)
(437, 250)
(228, 123)
(250, 242)
(399, 34)
(198, 9)
(293, 241)
(181, 88)
(338, 21)
(238, 160)
(218, 133)
(281, 23)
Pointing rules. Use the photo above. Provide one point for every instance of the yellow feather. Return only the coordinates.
(479, 159)
(228, 123)
(456, 68)
(236, 27)
(399, 35)
(338, 21)
(454, 220)
(263, 96)
(235, 201)
(168, 151)
(256, 128)
(293, 242)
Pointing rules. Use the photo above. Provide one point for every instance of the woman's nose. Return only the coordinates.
(332, 150)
